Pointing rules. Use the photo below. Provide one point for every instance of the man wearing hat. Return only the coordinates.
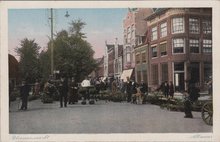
(24, 92)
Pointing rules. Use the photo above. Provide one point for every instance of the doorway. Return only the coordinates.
(179, 77)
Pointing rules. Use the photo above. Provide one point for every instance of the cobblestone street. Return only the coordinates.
(102, 117)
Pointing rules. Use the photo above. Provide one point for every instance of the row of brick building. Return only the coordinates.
(165, 44)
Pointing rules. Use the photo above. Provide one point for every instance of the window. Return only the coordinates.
(207, 46)
(178, 25)
(207, 26)
(194, 45)
(138, 59)
(154, 51)
(179, 67)
(178, 45)
(154, 74)
(163, 49)
(132, 32)
(194, 25)
(143, 55)
(163, 29)
(129, 35)
(164, 70)
(128, 55)
(154, 33)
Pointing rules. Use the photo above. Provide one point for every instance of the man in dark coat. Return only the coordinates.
(193, 94)
(128, 89)
(171, 89)
(63, 91)
(144, 91)
(24, 92)
(166, 89)
(143, 87)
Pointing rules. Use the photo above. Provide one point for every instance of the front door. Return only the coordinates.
(179, 82)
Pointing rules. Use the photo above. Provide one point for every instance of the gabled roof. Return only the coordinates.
(157, 11)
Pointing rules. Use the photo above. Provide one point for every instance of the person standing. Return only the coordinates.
(63, 91)
(24, 93)
(134, 91)
(36, 88)
(114, 87)
(128, 89)
(71, 94)
(143, 88)
(171, 89)
(166, 89)
(144, 91)
(192, 96)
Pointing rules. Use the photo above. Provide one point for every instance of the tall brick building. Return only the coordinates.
(134, 27)
(180, 46)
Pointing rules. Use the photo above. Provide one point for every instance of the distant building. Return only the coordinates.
(99, 71)
(13, 69)
(113, 60)
(180, 46)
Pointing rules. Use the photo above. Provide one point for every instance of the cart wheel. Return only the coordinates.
(207, 113)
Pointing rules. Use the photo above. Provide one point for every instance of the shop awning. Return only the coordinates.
(126, 73)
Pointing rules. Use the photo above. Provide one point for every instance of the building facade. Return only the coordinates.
(13, 70)
(141, 63)
(113, 60)
(134, 27)
(180, 46)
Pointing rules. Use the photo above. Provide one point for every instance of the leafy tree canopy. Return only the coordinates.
(29, 63)
(73, 56)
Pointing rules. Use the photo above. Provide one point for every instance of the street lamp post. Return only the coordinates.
(52, 42)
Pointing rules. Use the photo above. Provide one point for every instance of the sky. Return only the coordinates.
(101, 25)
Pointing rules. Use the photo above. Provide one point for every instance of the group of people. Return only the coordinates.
(135, 92)
(67, 90)
(167, 89)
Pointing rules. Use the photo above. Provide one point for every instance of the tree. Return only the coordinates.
(76, 27)
(73, 56)
(29, 60)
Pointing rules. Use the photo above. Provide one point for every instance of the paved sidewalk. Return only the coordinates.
(101, 118)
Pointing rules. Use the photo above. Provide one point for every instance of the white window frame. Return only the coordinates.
(206, 22)
(209, 45)
(142, 57)
(153, 35)
(183, 46)
(166, 48)
(192, 42)
(183, 24)
(152, 51)
(163, 29)
(194, 23)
